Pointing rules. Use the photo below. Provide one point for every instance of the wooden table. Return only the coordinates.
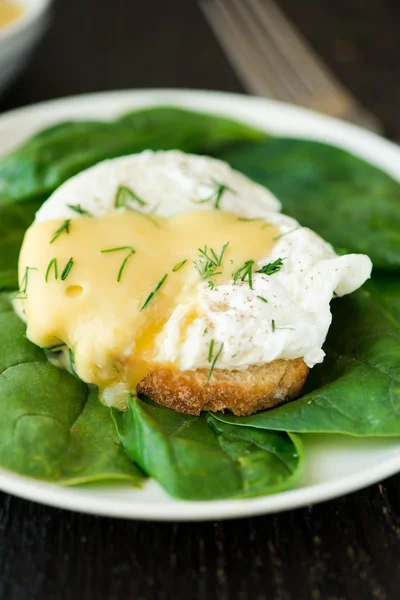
(346, 549)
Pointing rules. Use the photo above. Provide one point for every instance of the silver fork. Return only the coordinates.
(272, 59)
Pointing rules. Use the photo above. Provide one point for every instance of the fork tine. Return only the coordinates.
(244, 52)
(269, 56)
(273, 60)
(296, 49)
(237, 50)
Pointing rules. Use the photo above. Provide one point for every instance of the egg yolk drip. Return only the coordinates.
(100, 290)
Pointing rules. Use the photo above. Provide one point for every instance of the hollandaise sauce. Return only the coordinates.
(100, 290)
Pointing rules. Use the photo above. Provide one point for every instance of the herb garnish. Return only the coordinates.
(71, 353)
(131, 252)
(125, 193)
(64, 227)
(209, 261)
(116, 368)
(78, 209)
(287, 233)
(24, 284)
(213, 363)
(54, 347)
(52, 263)
(151, 295)
(263, 299)
(179, 265)
(273, 325)
(216, 195)
(272, 268)
(144, 215)
(210, 351)
(245, 271)
(67, 269)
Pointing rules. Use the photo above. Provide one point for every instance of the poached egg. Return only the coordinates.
(165, 258)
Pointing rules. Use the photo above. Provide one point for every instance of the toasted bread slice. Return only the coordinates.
(242, 392)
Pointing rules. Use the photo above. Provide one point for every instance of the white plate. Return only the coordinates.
(335, 465)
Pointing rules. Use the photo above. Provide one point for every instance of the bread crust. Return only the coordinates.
(243, 392)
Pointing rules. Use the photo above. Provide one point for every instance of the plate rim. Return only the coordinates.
(254, 111)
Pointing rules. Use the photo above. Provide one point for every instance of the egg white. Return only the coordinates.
(295, 320)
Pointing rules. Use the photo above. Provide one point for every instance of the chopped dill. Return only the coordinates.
(151, 295)
(78, 209)
(210, 351)
(125, 193)
(217, 193)
(64, 227)
(262, 298)
(245, 271)
(67, 269)
(287, 233)
(211, 284)
(52, 263)
(54, 347)
(131, 251)
(24, 284)
(209, 261)
(116, 368)
(179, 265)
(273, 325)
(272, 268)
(144, 215)
(71, 353)
(214, 362)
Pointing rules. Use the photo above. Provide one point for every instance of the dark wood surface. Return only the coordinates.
(346, 549)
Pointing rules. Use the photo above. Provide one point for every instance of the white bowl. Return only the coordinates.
(18, 38)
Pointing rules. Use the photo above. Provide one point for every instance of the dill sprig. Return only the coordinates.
(24, 284)
(131, 251)
(54, 347)
(125, 193)
(152, 294)
(78, 209)
(209, 261)
(246, 271)
(67, 269)
(64, 227)
(144, 215)
(217, 193)
(212, 360)
(210, 351)
(179, 265)
(52, 263)
(287, 233)
(272, 268)
(71, 353)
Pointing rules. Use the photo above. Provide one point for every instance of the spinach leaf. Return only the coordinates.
(54, 155)
(199, 458)
(385, 290)
(356, 391)
(349, 202)
(50, 428)
(14, 221)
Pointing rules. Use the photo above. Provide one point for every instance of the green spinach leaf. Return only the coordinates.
(199, 458)
(356, 391)
(349, 202)
(14, 221)
(44, 162)
(50, 428)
